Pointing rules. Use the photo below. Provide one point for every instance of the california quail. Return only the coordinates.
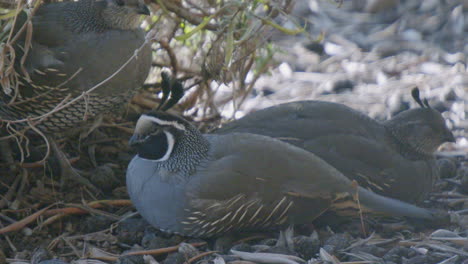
(182, 181)
(393, 158)
(75, 46)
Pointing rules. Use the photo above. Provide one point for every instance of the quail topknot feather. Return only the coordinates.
(182, 181)
(393, 158)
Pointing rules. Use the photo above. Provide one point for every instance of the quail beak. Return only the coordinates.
(134, 141)
(143, 10)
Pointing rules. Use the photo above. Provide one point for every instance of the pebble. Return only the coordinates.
(306, 247)
(104, 177)
(131, 230)
(188, 250)
(175, 258)
(447, 168)
(397, 253)
(315, 47)
(462, 174)
(269, 242)
(94, 223)
(424, 259)
(337, 242)
(243, 247)
(343, 86)
(444, 233)
(369, 249)
(279, 250)
(53, 261)
(223, 244)
(154, 240)
(39, 255)
(130, 260)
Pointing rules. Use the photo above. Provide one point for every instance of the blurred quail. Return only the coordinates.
(74, 47)
(182, 181)
(393, 158)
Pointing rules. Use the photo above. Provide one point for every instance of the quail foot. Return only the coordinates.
(201, 185)
(393, 158)
(75, 47)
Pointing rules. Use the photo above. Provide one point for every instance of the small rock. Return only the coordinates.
(104, 177)
(260, 248)
(337, 242)
(131, 230)
(229, 258)
(269, 242)
(306, 247)
(53, 261)
(376, 6)
(223, 244)
(440, 106)
(279, 250)
(120, 192)
(450, 95)
(154, 240)
(424, 259)
(416, 260)
(243, 247)
(396, 254)
(175, 258)
(369, 249)
(447, 168)
(131, 260)
(188, 250)
(444, 233)
(342, 86)
(315, 47)
(94, 223)
(39, 255)
(462, 174)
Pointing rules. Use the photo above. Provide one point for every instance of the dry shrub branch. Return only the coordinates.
(205, 43)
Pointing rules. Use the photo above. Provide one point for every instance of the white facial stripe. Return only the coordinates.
(163, 122)
(170, 146)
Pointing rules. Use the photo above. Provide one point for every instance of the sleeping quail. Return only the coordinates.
(75, 47)
(393, 158)
(182, 181)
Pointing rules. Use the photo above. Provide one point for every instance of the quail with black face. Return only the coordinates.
(182, 181)
(393, 158)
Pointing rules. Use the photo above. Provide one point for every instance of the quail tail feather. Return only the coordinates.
(389, 206)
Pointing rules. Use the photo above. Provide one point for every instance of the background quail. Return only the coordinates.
(393, 158)
(203, 185)
(75, 47)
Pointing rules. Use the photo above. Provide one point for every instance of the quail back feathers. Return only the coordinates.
(393, 158)
(74, 47)
(199, 185)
